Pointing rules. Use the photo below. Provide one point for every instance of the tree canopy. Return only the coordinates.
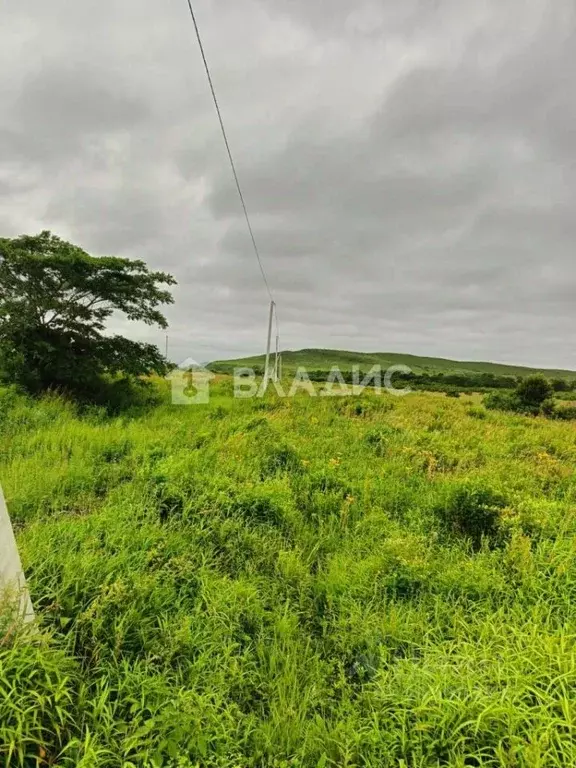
(55, 301)
(534, 390)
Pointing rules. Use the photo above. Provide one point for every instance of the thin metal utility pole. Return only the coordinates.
(276, 358)
(166, 355)
(267, 366)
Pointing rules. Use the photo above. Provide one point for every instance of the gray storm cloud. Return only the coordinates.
(409, 167)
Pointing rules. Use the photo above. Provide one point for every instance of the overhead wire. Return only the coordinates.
(229, 151)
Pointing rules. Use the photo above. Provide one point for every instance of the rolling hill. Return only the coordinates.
(324, 359)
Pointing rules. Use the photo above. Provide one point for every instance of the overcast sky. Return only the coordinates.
(408, 165)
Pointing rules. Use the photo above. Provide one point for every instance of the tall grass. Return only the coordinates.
(307, 583)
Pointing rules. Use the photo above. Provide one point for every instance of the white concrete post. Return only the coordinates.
(12, 581)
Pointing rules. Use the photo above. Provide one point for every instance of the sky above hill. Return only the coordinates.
(409, 167)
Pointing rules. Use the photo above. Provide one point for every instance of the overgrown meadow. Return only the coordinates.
(309, 582)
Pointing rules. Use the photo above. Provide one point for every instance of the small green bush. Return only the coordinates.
(534, 390)
(548, 407)
(567, 413)
(500, 401)
(473, 512)
(509, 401)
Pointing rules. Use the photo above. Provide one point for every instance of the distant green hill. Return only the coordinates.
(324, 359)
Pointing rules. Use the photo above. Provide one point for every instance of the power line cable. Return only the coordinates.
(238, 187)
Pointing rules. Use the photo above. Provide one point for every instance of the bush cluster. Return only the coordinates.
(532, 396)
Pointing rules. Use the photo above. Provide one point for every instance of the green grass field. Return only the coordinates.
(303, 583)
(324, 359)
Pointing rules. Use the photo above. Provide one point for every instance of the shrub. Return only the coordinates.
(567, 413)
(530, 395)
(548, 407)
(534, 390)
(502, 401)
(473, 512)
(560, 385)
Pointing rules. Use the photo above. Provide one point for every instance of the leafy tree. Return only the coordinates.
(55, 300)
(534, 390)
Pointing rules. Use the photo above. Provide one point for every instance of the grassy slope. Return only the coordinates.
(288, 583)
(321, 359)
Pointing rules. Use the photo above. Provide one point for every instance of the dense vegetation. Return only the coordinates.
(304, 582)
(532, 396)
(432, 382)
(449, 383)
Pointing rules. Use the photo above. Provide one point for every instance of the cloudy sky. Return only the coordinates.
(409, 167)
